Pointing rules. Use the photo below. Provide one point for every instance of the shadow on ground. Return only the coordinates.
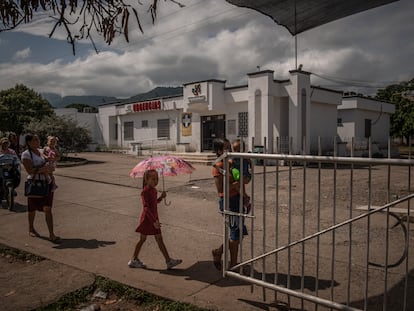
(395, 297)
(204, 271)
(82, 243)
(280, 306)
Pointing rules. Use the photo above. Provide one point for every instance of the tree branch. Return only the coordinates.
(108, 18)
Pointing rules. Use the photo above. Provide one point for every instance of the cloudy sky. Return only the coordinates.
(212, 39)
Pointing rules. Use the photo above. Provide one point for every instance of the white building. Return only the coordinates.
(87, 120)
(362, 118)
(276, 113)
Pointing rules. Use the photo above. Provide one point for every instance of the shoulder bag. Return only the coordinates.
(36, 187)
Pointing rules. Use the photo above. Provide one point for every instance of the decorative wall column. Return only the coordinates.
(260, 103)
(299, 110)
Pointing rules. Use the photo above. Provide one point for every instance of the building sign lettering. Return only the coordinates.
(146, 106)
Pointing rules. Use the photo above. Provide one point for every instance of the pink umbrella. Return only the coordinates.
(164, 165)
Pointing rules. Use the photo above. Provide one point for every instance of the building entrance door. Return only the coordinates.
(212, 127)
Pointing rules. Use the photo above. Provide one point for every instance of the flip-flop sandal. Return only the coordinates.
(34, 234)
(216, 259)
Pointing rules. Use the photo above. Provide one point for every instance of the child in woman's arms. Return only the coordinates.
(52, 155)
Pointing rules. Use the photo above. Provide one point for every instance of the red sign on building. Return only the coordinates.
(147, 106)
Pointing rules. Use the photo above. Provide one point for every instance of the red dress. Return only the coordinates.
(149, 212)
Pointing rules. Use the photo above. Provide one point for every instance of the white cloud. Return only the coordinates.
(22, 54)
(213, 39)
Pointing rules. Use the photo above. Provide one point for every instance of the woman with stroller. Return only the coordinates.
(35, 165)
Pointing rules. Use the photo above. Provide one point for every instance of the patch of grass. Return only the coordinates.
(19, 254)
(146, 300)
(142, 298)
(70, 301)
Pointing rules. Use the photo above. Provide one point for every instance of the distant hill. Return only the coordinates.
(156, 93)
(61, 102)
(92, 100)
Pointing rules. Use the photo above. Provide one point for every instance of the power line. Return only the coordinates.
(355, 83)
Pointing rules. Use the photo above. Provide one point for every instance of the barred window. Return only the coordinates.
(128, 130)
(231, 127)
(243, 124)
(144, 123)
(163, 128)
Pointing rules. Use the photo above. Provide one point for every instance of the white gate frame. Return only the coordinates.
(302, 162)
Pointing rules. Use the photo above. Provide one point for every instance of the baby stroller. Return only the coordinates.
(9, 178)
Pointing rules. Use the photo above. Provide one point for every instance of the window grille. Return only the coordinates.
(163, 128)
(128, 130)
(243, 124)
(231, 127)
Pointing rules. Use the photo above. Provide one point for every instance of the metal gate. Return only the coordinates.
(327, 232)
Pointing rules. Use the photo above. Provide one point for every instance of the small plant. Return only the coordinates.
(19, 254)
(83, 296)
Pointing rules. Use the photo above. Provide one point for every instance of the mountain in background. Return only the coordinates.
(92, 100)
(158, 92)
(61, 102)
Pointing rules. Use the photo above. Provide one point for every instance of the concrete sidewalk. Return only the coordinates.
(97, 208)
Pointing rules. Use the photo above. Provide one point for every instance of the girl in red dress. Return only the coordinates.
(149, 223)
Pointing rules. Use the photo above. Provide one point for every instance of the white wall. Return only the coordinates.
(85, 120)
(354, 110)
(107, 118)
(323, 120)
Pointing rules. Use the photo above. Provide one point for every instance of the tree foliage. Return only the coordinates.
(71, 136)
(107, 18)
(20, 105)
(402, 121)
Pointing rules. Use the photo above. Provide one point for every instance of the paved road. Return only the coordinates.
(97, 207)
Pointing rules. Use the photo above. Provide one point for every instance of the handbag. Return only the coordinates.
(36, 187)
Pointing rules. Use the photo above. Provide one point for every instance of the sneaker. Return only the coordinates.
(173, 262)
(136, 263)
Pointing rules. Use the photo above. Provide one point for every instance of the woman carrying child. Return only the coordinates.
(149, 223)
(35, 165)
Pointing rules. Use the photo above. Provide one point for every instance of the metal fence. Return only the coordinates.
(332, 145)
(326, 232)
